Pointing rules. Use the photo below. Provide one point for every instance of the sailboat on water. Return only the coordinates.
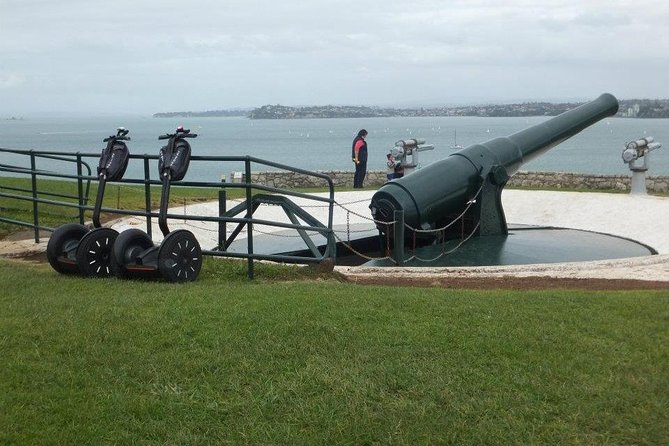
(455, 145)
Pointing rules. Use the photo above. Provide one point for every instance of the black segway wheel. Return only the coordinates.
(127, 247)
(180, 257)
(61, 249)
(95, 251)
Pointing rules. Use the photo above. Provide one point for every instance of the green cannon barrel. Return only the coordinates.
(444, 187)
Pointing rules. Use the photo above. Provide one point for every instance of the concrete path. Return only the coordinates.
(641, 218)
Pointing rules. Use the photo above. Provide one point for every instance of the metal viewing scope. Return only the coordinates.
(639, 148)
(409, 147)
(410, 144)
(635, 155)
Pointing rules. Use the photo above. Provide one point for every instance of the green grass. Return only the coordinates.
(295, 357)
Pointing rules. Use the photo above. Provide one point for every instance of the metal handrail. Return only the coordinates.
(37, 197)
(34, 173)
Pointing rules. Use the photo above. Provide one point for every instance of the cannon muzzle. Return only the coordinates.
(430, 195)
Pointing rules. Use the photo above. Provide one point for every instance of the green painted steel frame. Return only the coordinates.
(224, 217)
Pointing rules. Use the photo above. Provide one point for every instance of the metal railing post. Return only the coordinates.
(147, 196)
(331, 243)
(249, 215)
(80, 189)
(222, 208)
(398, 237)
(33, 177)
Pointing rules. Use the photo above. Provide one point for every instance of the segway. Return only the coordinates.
(179, 257)
(73, 248)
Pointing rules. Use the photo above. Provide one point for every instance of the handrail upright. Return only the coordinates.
(249, 215)
(33, 180)
(147, 195)
(80, 189)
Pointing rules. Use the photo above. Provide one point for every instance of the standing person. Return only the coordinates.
(390, 164)
(359, 155)
(399, 169)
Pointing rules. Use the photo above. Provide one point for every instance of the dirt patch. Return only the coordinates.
(28, 236)
(21, 246)
(37, 257)
(514, 283)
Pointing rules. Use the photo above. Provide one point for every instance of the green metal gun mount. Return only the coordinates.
(474, 177)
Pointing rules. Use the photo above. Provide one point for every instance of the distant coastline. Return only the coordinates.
(202, 114)
(629, 108)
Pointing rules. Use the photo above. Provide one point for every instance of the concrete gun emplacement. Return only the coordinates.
(476, 175)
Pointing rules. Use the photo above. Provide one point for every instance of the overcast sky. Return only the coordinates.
(145, 56)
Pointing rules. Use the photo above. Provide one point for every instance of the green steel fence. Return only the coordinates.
(72, 167)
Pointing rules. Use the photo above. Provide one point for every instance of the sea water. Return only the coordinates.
(325, 144)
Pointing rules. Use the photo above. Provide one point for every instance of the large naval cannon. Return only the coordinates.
(472, 179)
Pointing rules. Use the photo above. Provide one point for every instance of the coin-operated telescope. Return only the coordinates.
(435, 195)
(635, 155)
(409, 147)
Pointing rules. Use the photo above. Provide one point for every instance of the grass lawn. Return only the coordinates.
(295, 357)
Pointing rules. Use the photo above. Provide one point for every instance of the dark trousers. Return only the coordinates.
(359, 176)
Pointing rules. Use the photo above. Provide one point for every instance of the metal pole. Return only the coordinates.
(80, 189)
(33, 175)
(398, 234)
(147, 196)
(331, 243)
(222, 208)
(249, 216)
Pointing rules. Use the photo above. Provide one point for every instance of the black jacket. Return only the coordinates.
(362, 153)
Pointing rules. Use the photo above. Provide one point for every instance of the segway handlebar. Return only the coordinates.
(121, 135)
(180, 133)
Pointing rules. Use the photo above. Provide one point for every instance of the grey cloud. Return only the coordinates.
(240, 53)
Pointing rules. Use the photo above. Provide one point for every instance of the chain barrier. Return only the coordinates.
(339, 204)
(336, 203)
(364, 217)
(359, 254)
(455, 220)
(347, 243)
(445, 253)
(348, 232)
(442, 232)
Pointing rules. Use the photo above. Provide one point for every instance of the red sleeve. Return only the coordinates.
(357, 146)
